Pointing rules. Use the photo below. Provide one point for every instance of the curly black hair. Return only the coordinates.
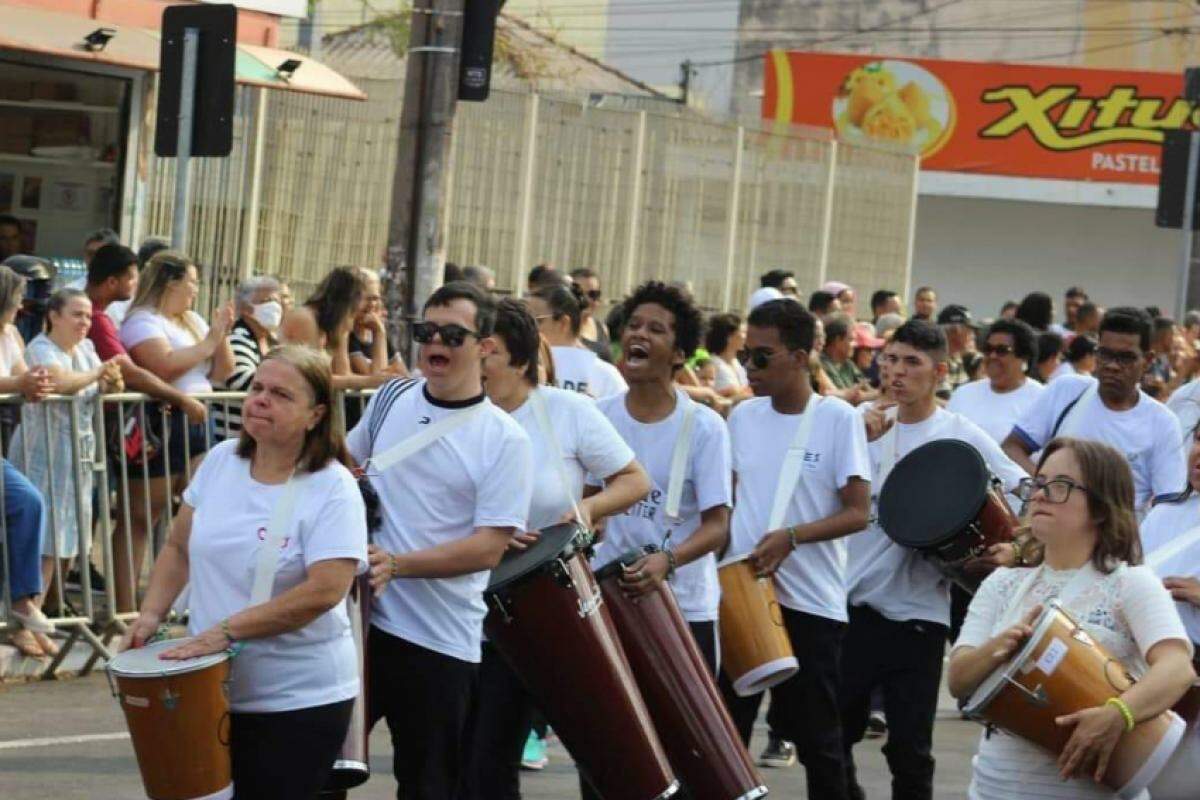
(689, 322)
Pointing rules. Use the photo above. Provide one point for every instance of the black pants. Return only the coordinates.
(905, 659)
(705, 634)
(804, 709)
(425, 697)
(286, 755)
(502, 715)
(960, 602)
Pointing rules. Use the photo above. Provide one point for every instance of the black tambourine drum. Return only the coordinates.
(940, 499)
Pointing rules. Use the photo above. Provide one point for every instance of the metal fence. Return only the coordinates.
(634, 194)
(94, 461)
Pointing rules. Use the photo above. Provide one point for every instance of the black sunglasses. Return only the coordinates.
(594, 294)
(996, 349)
(1126, 358)
(451, 335)
(758, 358)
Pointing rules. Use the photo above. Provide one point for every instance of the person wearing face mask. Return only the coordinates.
(250, 338)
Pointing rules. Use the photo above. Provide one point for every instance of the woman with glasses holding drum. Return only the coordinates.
(282, 484)
(1087, 563)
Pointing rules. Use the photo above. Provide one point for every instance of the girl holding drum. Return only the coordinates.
(1085, 545)
(295, 674)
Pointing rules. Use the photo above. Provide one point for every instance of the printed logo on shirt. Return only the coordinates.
(812, 461)
(423, 421)
(647, 508)
(262, 537)
(575, 386)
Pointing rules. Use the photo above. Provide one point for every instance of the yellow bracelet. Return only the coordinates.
(1126, 713)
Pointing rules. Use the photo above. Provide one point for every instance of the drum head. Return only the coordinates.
(627, 558)
(552, 543)
(145, 662)
(933, 493)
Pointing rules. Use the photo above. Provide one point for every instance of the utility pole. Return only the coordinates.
(416, 250)
(685, 81)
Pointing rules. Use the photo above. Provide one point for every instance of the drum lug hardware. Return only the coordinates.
(562, 575)
(1037, 697)
(170, 700)
(589, 606)
(501, 608)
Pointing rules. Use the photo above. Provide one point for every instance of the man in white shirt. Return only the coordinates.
(899, 602)
(1110, 408)
(449, 512)
(996, 402)
(828, 497)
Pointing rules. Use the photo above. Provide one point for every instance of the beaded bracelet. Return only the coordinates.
(1126, 712)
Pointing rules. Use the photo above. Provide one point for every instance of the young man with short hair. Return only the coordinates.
(827, 497)
(1073, 299)
(781, 279)
(449, 511)
(899, 602)
(823, 305)
(925, 304)
(884, 301)
(1111, 408)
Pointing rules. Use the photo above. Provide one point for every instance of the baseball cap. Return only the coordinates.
(955, 315)
(864, 336)
(763, 295)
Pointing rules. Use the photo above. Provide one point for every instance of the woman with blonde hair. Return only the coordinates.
(164, 334)
(1085, 552)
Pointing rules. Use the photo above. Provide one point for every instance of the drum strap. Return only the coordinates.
(679, 458)
(418, 442)
(268, 555)
(1071, 417)
(789, 472)
(1086, 575)
(1173, 548)
(543, 421)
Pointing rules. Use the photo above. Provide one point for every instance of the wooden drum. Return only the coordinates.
(178, 717)
(756, 652)
(1061, 670)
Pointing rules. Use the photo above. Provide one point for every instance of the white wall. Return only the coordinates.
(982, 252)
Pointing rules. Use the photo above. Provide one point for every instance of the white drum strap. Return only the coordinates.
(1071, 423)
(543, 421)
(268, 555)
(789, 472)
(418, 442)
(1086, 575)
(1173, 548)
(679, 458)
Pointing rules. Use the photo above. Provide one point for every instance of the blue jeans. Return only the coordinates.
(25, 518)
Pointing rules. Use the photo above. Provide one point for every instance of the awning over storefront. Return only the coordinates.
(31, 30)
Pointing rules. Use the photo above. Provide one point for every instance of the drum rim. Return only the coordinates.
(996, 680)
(627, 557)
(196, 664)
(949, 444)
(570, 548)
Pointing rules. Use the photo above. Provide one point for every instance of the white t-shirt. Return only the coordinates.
(995, 412)
(899, 582)
(1185, 403)
(580, 370)
(588, 444)
(1127, 612)
(478, 475)
(11, 349)
(1164, 522)
(706, 485)
(729, 375)
(1065, 368)
(1148, 434)
(317, 664)
(813, 578)
(143, 324)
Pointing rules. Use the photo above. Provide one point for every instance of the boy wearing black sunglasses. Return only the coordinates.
(1111, 408)
(450, 509)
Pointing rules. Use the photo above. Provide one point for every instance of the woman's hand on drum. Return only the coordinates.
(210, 641)
(1185, 590)
(1008, 641)
(141, 631)
(643, 576)
(521, 541)
(383, 568)
(1097, 731)
(772, 549)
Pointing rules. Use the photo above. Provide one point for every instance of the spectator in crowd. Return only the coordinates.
(1009, 309)
(12, 242)
(592, 332)
(1050, 356)
(782, 280)
(925, 304)
(706, 372)
(823, 305)
(1087, 319)
(1037, 311)
(450, 272)
(1159, 380)
(42, 446)
(543, 275)
(846, 296)
(39, 284)
(866, 348)
(97, 239)
(723, 339)
(481, 276)
(165, 335)
(962, 360)
(259, 314)
(285, 294)
(325, 322)
(1080, 356)
(150, 247)
(837, 356)
(371, 352)
(884, 301)
(821, 382)
(558, 310)
(24, 507)
(765, 294)
(887, 324)
(1072, 300)
(1191, 326)
(998, 400)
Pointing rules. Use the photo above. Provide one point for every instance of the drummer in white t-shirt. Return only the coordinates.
(558, 310)
(1111, 408)
(997, 401)
(295, 675)
(1082, 516)
(828, 498)
(584, 441)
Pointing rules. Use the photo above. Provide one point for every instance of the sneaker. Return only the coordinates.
(534, 757)
(778, 753)
(876, 725)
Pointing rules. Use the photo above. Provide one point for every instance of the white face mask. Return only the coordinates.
(268, 314)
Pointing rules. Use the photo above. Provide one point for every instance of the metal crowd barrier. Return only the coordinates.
(127, 431)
